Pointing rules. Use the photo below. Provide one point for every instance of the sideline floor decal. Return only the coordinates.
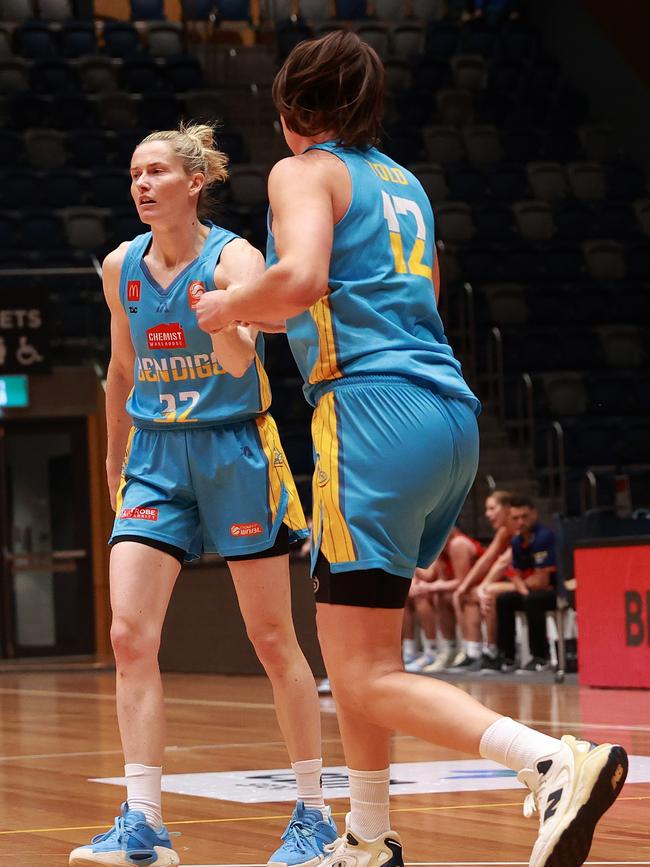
(407, 778)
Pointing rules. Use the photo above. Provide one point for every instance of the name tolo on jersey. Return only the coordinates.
(176, 368)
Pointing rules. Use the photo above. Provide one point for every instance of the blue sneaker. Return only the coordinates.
(305, 838)
(130, 841)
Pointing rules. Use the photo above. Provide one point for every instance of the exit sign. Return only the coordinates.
(14, 391)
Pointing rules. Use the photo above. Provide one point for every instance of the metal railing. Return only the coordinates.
(556, 469)
(588, 492)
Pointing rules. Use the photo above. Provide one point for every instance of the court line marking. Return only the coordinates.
(102, 696)
(341, 814)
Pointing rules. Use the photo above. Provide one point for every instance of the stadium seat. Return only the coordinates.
(534, 220)
(408, 40)
(455, 107)
(441, 38)
(622, 346)
(565, 394)
(84, 228)
(97, 74)
(506, 304)
(548, 180)
(432, 178)
(147, 10)
(35, 40)
(140, 75)
(507, 181)
(21, 188)
(587, 180)
(443, 144)
(42, 230)
(454, 222)
(63, 188)
(53, 76)
(493, 222)
(642, 212)
(197, 10)
(389, 10)
(248, 185)
(482, 144)
(109, 188)
(55, 10)
(377, 36)
(350, 10)
(16, 10)
(45, 148)
(164, 39)
(428, 10)
(14, 76)
(633, 443)
(604, 259)
(469, 71)
(314, 10)
(159, 110)
(610, 393)
(591, 441)
(78, 39)
(397, 76)
(254, 65)
(467, 183)
(598, 142)
(116, 110)
(89, 148)
(121, 39)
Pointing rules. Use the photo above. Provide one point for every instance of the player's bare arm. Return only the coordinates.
(119, 380)
(301, 203)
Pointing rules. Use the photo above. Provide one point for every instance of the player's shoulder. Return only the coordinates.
(114, 260)
(544, 535)
(303, 168)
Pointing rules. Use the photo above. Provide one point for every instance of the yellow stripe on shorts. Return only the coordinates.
(265, 388)
(336, 540)
(279, 474)
(327, 366)
(119, 496)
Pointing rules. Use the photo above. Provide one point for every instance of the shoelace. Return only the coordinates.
(297, 835)
(121, 829)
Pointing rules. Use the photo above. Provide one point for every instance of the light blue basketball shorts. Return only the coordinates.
(223, 489)
(394, 464)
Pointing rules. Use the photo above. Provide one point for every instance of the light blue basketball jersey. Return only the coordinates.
(177, 379)
(380, 315)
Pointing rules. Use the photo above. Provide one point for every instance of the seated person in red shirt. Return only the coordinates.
(533, 561)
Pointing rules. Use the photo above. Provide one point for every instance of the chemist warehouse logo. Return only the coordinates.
(169, 336)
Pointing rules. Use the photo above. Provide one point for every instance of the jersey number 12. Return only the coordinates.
(394, 205)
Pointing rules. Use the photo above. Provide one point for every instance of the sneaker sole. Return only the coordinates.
(572, 846)
(165, 858)
(311, 863)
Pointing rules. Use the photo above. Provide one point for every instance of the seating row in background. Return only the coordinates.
(245, 10)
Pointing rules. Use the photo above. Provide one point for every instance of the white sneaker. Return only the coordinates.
(571, 789)
(324, 687)
(416, 665)
(441, 662)
(351, 850)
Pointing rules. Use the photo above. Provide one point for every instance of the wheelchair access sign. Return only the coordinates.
(24, 339)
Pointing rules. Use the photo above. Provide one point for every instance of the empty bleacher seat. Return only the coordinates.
(45, 148)
(455, 107)
(117, 110)
(598, 141)
(432, 178)
(78, 39)
(454, 222)
(53, 76)
(642, 213)
(482, 144)
(16, 10)
(248, 185)
(548, 180)
(604, 259)
(147, 10)
(443, 144)
(428, 10)
(534, 220)
(506, 304)
(14, 76)
(622, 346)
(408, 40)
(565, 394)
(587, 180)
(467, 183)
(97, 74)
(85, 229)
(350, 10)
(121, 39)
(377, 36)
(35, 40)
(55, 10)
(164, 38)
(389, 10)
(469, 71)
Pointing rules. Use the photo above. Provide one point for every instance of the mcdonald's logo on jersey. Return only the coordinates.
(133, 290)
(194, 291)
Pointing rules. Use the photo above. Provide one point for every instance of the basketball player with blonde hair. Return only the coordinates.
(194, 465)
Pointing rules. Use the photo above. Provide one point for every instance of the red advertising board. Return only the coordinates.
(613, 609)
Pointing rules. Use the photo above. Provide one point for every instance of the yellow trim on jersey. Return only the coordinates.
(327, 365)
(279, 474)
(119, 496)
(336, 539)
(265, 387)
(398, 252)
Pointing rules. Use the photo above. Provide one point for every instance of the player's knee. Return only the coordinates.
(270, 643)
(131, 643)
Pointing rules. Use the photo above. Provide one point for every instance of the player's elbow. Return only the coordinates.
(304, 282)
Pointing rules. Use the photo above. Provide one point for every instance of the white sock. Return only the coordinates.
(369, 803)
(515, 745)
(490, 650)
(473, 649)
(429, 645)
(409, 647)
(309, 782)
(143, 792)
(445, 645)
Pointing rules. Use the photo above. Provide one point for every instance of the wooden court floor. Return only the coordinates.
(58, 731)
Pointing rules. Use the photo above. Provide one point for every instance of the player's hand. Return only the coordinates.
(212, 313)
(485, 599)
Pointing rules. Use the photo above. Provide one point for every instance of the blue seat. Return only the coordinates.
(11, 148)
(350, 10)
(507, 181)
(159, 110)
(78, 39)
(73, 111)
(121, 39)
(42, 230)
(493, 222)
(22, 189)
(140, 75)
(197, 10)
(518, 41)
(592, 441)
(63, 188)
(231, 142)
(441, 39)
(520, 145)
(467, 184)
(183, 72)
(233, 10)
(35, 40)
(624, 181)
(610, 393)
(634, 440)
(88, 148)
(147, 10)
(475, 38)
(29, 110)
(53, 76)
(9, 236)
(109, 188)
(575, 221)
